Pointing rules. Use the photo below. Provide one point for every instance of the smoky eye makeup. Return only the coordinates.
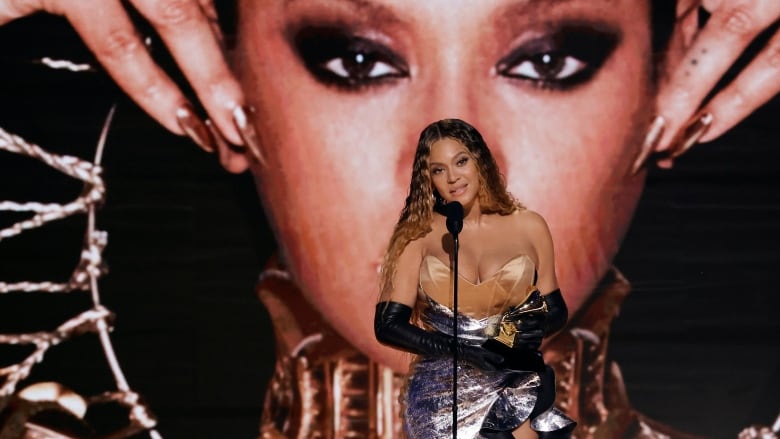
(566, 56)
(337, 57)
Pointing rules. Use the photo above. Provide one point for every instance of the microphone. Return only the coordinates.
(454, 211)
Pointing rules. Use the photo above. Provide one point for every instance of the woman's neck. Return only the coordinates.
(472, 215)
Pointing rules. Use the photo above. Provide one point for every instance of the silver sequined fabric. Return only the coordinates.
(499, 400)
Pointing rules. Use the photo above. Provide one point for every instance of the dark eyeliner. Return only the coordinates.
(317, 45)
(590, 43)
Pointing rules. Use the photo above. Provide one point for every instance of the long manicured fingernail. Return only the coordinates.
(652, 137)
(195, 128)
(691, 134)
(248, 133)
(223, 145)
(219, 139)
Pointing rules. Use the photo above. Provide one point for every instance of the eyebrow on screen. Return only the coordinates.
(522, 8)
(379, 12)
(374, 11)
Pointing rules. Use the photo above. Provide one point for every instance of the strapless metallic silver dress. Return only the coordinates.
(498, 400)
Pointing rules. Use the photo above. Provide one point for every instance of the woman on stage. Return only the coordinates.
(507, 257)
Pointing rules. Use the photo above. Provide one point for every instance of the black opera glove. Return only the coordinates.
(392, 327)
(557, 313)
(530, 332)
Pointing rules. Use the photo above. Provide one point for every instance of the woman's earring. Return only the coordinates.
(438, 201)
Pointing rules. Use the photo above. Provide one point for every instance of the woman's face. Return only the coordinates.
(559, 89)
(453, 172)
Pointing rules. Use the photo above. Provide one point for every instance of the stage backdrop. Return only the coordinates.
(697, 339)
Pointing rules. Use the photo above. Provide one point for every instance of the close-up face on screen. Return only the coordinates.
(559, 90)
(278, 187)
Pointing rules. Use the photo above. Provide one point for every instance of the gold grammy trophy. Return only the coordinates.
(518, 356)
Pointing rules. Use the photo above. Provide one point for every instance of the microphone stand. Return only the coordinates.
(456, 245)
(454, 211)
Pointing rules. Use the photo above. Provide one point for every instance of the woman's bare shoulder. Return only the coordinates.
(531, 226)
(528, 218)
(536, 231)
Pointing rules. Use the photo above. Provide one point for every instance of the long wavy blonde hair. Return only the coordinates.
(423, 200)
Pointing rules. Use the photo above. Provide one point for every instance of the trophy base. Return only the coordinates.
(519, 359)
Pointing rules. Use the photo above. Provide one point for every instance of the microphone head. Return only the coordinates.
(454, 212)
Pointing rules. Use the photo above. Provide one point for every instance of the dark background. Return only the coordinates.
(697, 339)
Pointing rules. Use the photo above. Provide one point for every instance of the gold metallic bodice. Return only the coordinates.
(508, 286)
